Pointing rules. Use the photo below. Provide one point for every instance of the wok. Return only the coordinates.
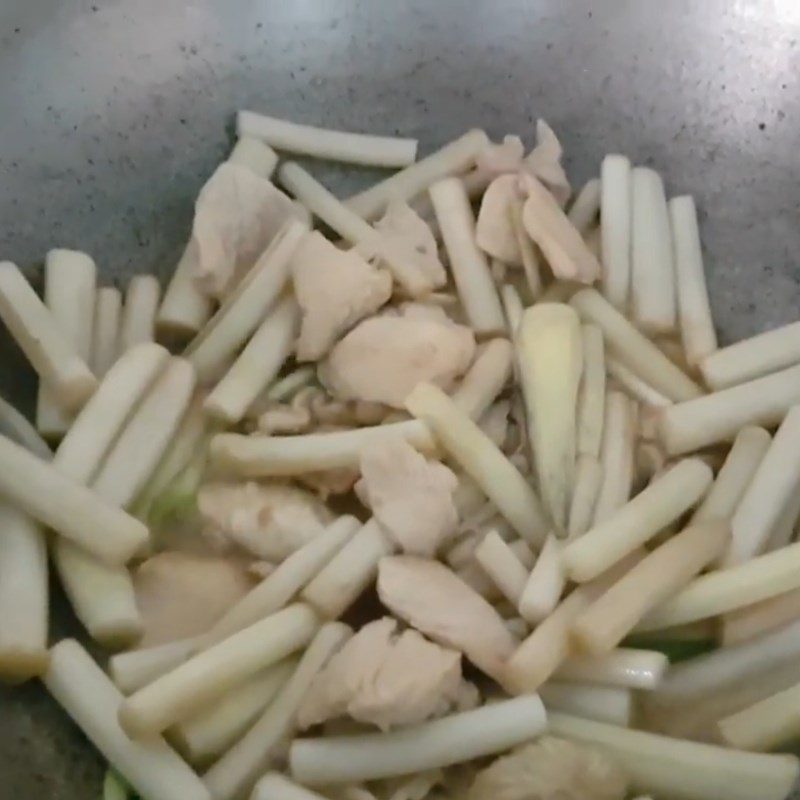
(113, 113)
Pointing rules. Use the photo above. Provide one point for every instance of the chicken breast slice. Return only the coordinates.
(270, 520)
(435, 601)
(335, 289)
(236, 216)
(545, 163)
(410, 495)
(387, 679)
(383, 358)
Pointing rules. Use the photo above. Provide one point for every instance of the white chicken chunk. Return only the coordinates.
(335, 289)
(236, 216)
(409, 495)
(269, 520)
(550, 769)
(499, 159)
(545, 162)
(181, 595)
(383, 358)
(494, 230)
(385, 678)
(435, 601)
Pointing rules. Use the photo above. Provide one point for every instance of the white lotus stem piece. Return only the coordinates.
(633, 385)
(273, 785)
(485, 379)
(503, 566)
(254, 154)
(694, 311)
(70, 278)
(236, 772)
(53, 356)
(586, 205)
(150, 766)
(512, 306)
(24, 600)
(588, 480)
(615, 228)
(262, 456)
(439, 743)
(661, 503)
(633, 349)
(653, 290)
(136, 668)
(616, 455)
(468, 263)
(682, 769)
(185, 309)
(105, 329)
(353, 148)
(625, 666)
(454, 158)
(550, 358)
(244, 309)
(611, 704)
(501, 481)
(209, 674)
(18, 428)
(760, 618)
(592, 392)
(544, 585)
(138, 322)
(718, 417)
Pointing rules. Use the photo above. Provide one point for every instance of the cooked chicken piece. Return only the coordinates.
(410, 787)
(426, 311)
(404, 231)
(432, 599)
(335, 289)
(494, 422)
(181, 595)
(494, 231)
(499, 159)
(385, 678)
(545, 163)
(325, 483)
(284, 418)
(410, 496)
(237, 214)
(270, 520)
(550, 769)
(383, 358)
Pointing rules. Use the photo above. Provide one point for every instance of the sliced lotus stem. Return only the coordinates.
(783, 531)
(615, 228)
(773, 484)
(531, 262)
(538, 657)
(468, 263)
(765, 725)
(550, 357)
(735, 475)
(138, 323)
(694, 311)
(586, 206)
(668, 568)
(245, 307)
(289, 577)
(501, 564)
(592, 392)
(288, 386)
(653, 290)
(214, 729)
(134, 669)
(105, 329)
(759, 579)
(512, 306)
(257, 365)
(53, 356)
(273, 785)
(353, 148)
(236, 772)
(485, 379)
(263, 456)
(450, 740)
(185, 309)
(351, 570)
(633, 349)
(611, 704)
(661, 503)
(17, 427)
(83, 690)
(588, 480)
(454, 158)
(69, 293)
(466, 443)
(718, 417)
(254, 154)
(545, 584)
(633, 385)
(616, 456)
(624, 666)
(760, 618)
(560, 242)
(209, 674)
(681, 769)
(23, 596)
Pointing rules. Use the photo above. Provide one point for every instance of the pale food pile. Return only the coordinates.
(453, 497)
